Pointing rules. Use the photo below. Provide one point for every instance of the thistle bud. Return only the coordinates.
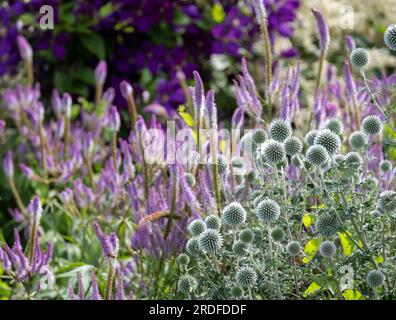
(25, 50)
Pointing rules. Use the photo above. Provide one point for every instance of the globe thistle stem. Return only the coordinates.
(274, 268)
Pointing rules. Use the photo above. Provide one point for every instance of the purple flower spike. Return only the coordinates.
(126, 89)
(114, 119)
(101, 72)
(95, 289)
(259, 10)
(350, 43)
(8, 165)
(25, 50)
(323, 29)
(35, 209)
(104, 240)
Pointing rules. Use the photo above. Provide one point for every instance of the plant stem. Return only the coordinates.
(110, 280)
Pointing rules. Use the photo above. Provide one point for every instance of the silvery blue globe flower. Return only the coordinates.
(267, 210)
(327, 249)
(385, 166)
(387, 201)
(183, 259)
(259, 136)
(222, 164)
(192, 247)
(236, 292)
(278, 234)
(334, 125)
(327, 225)
(329, 140)
(186, 284)
(353, 160)
(210, 241)
(233, 214)
(279, 130)
(293, 248)
(359, 58)
(273, 152)
(310, 137)
(246, 236)
(292, 145)
(196, 227)
(246, 142)
(190, 179)
(239, 248)
(213, 222)
(237, 162)
(372, 125)
(375, 213)
(246, 277)
(317, 155)
(358, 140)
(375, 279)
(390, 37)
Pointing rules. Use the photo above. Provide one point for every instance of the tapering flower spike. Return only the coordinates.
(323, 30)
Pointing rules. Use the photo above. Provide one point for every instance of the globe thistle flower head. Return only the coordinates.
(372, 125)
(246, 142)
(327, 249)
(246, 277)
(239, 248)
(192, 247)
(293, 248)
(358, 140)
(387, 201)
(310, 137)
(329, 140)
(236, 291)
(334, 125)
(259, 136)
(385, 166)
(183, 259)
(279, 130)
(233, 214)
(273, 152)
(197, 227)
(190, 179)
(375, 278)
(210, 241)
(213, 222)
(359, 58)
(246, 236)
(327, 225)
(237, 162)
(375, 213)
(390, 37)
(353, 160)
(222, 164)
(292, 146)
(277, 234)
(317, 155)
(186, 284)
(267, 211)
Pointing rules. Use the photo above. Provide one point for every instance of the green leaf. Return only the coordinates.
(84, 74)
(72, 269)
(218, 13)
(379, 259)
(94, 43)
(106, 10)
(347, 245)
(310, 249)
(307, 220)
(350, 294)
(62, 81)
(312, 288)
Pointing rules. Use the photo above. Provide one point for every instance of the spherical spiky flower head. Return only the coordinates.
(190, 179)
(385, 166)
(327, 249)
(237, 162)
(222, 164)
(375, 279)
(197, 227)
(296, 161)
(186, 284)
(233, 214)
(353, 160)
(246, 277)
(358, 140)
(292, 146)
(335, 125)
(246, 142)
(279, 130)
(210, 241)
(327, 225)
(192, 247)
(273, 152)
(267, 210)
(259, 136)
(329, 140)
(359, 58)
(387, 201)
(277, 234)
(183, 259)
(246, 236)
(372, 125)
(310, 137)
(236, 292)
(239, 248)
(317, 155)
(390, 37)
(293, 248)
(213, 222)
(375, 213)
